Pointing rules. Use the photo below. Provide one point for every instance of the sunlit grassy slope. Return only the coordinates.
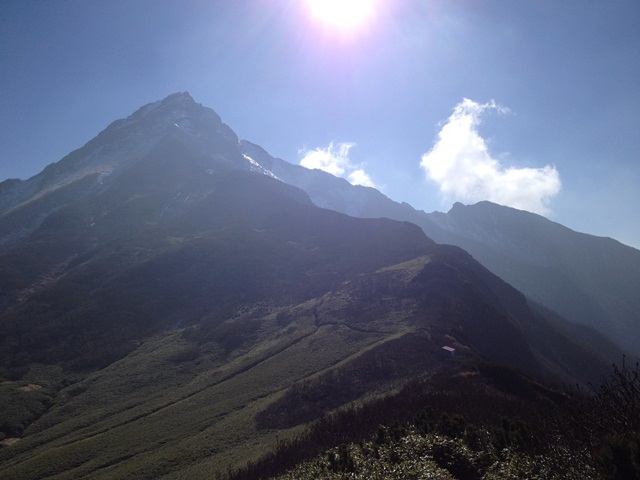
(191, 402)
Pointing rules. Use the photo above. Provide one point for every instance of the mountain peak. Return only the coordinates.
(177, 117)
(168, 112)
(490, 210)
(176, 102)
(178, 97)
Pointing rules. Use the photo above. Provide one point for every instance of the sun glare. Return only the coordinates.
(342, 14)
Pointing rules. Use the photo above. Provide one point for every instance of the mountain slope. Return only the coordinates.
(592, 281)
(177, 120)
(191, 401)
(165, 298)
(150, 262)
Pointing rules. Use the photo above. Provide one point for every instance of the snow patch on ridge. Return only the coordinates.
(256, 167)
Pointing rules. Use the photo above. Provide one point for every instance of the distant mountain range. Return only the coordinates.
(591, 281)
(167, 288)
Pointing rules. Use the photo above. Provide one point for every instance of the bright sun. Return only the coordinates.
(343, 14)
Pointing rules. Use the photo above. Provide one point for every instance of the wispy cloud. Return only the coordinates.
(461, 164)
(335, 160)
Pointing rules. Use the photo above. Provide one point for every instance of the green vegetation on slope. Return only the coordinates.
(503, 426)
(197, 400)
(213, 318)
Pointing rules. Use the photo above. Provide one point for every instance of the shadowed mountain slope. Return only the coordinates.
(165, 298)
(592, 281)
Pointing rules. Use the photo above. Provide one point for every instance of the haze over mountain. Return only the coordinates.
(590, 280)
(167, 274)
(289, 82)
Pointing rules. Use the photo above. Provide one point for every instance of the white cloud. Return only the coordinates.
(335, 160)
(465, 171)
(360, 177)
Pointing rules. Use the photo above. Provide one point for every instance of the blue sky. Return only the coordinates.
(535, 103)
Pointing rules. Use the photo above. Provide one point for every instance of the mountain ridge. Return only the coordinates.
(168, 308)
(590, 280)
